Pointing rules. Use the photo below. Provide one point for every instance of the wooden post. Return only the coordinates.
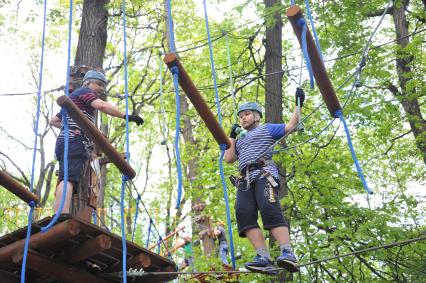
(40, 240)
(96, 136)
(197, 100)
(17, 189)
(328, 93)
(55, 269)
(89, 248)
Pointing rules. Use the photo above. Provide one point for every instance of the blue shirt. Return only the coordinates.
(255, 143)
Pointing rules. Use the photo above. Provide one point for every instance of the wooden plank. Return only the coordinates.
(56, 269)
(96, 136)
(197, 100)
(89, 248)
(17, 189)
(40, 240)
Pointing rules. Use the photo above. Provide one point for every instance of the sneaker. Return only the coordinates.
(261, 264)
(288, 261)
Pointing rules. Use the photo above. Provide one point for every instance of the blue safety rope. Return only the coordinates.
(136, 217)
(308, 11)
(64, 114)
(351, 147)
(27, 240)
(95, 219)
(125, 178)
(175, 73)
(149, 232)
(301, 22)
(222, 146)
(292, 2)
(31, 203)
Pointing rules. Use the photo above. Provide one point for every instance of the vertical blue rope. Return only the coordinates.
(292, 3)
(32, 204)
(170, 23)
(228, 213)
(149, 232)
(212, 64)
(301, 22)
(66, 130)
(175, 73)
(136, 217)
(27, 240)
(308, 11)
(351, 147)
(123, 231)
(95, 219)
(125, 178)
(222, 146)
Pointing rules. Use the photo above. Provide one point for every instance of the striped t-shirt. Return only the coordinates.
(255, 143)
(82, 97)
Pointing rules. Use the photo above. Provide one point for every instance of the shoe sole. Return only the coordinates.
(288, 265)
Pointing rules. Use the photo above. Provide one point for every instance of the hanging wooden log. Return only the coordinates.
(17, 189)
(40, 240)
(89, 248)
(328, 93)
(197, 100)
(96, 136)
(53, 268)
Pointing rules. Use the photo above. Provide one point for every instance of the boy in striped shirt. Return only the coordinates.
(258, 185)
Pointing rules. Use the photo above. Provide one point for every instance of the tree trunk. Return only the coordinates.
(406, 96)
(90, 52)
(273, 94)
(93, 34)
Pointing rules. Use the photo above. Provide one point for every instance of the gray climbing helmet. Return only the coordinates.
(94, 75)
(252, 106)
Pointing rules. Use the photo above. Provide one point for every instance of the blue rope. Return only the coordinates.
(66, 130)
(158, 245)
(175, 72)
(308, 11)
(292, 3)
(225, 196)
(30, 219)
(95, 219)
(125, 178)
(212, 64)
(301, 22)
(136, 217)
(222, 146)
(149, 232)
(27, 240)
(123, 231)
(170, 23)
(351, 147)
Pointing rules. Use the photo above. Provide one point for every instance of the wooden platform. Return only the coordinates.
(76, 251)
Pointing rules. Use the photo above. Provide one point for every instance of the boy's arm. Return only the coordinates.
(292, 124)
(230, 154)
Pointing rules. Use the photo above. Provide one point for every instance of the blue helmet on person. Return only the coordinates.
(252, 106)
(94, 75)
